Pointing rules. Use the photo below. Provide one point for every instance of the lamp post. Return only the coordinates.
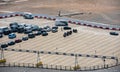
(2, 53)
(39, 62)
(104, 61)
(95, 52)
(3, 60)
(2, 50)
(38, 57)
(76, 61)
(59, 14)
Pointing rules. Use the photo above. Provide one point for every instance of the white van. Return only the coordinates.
(61, 22)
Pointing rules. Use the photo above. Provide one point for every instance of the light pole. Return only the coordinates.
(104, 61)
(39, 62)
(59, 14)
(2, 60)
(95, 52)
(38, 57)
(76, 61)
(2, 53)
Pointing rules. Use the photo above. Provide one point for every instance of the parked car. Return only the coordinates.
(24, 38)
(1, 32)
(10, 43)
(54, 30)
(12, 35)
(18, 40)
(4, 28)
(1, 35)
(31, 35)
(4, 45)
(28, 25)
(28, 16)
(40, 29)
(55, 27)
(35, 28)
(43, 30)
(7, 32)
(67, 28)
(14, 26)
(114, 33)
(68, 33)
(65, 34)
(28, 30)
(75, 30)
(14, 23)
(20, 29)
(38, 33)
(44, 34)
(47, 28)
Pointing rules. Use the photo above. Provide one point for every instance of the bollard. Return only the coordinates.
(51, 66)
(14, 64)
(56, 67)
(23, 65)
(60, 67)
(65, 67)
(46, 66)
(9, 64)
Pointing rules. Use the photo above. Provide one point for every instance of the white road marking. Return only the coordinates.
(7, 11)
(13, 2)
(20, 1)
(85, 30)
(3, 3)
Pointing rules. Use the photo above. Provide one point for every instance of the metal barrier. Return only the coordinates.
(58, 67)
(66, 54)
(69, 20)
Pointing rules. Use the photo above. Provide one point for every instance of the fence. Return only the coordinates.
(65, 54)
(58, 67)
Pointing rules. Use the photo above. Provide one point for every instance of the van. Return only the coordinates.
(61, 23)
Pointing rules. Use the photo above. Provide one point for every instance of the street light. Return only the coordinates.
(76, 63)
(104, 61)
(2, 46)
(39, 62)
